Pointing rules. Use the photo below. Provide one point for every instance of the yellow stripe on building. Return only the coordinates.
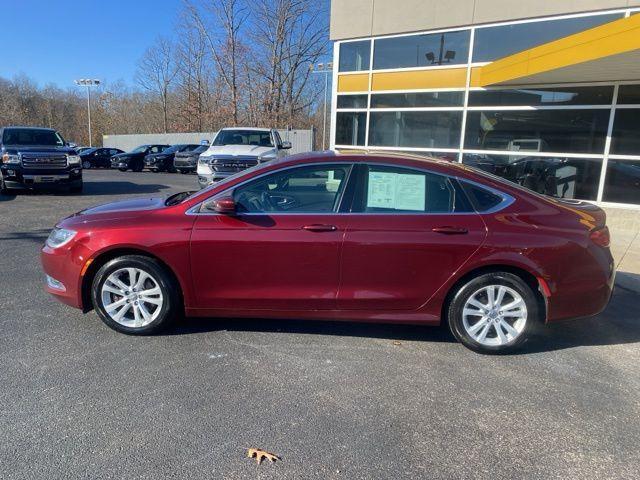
(420, 79)
(614, 38)
(353, 83)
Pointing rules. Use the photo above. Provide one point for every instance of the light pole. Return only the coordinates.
(327, 69)
(88, 82)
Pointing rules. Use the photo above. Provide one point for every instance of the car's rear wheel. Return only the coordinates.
(184, 172)
(137, 167)
(134, 294)
(86, 164)
(493, 313)
(122, 169)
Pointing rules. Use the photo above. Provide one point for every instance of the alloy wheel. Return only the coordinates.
(494, 315)
(132, 297)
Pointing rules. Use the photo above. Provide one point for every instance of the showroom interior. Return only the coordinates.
(550, 101)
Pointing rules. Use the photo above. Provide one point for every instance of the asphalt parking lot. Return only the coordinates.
(334, 401)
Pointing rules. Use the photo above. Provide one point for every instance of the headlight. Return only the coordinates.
(205, 160)
(73, 159)
(10, 158)
(59, 237)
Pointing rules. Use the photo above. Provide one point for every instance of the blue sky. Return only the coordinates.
(56, 41)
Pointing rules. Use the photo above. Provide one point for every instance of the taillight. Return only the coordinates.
(600, 237)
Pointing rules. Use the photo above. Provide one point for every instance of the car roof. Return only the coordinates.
(9, 127)
(252, 129)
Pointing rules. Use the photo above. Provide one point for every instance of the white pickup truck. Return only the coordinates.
(235, 149)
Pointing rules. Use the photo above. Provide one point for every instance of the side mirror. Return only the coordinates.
(286, 145)
(225, 206)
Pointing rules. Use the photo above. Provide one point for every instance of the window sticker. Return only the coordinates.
(397, 191)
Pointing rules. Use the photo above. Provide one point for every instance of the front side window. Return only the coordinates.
(384, 189)
(354, 56)
(435, 49)
(312, 189)
(625, 139)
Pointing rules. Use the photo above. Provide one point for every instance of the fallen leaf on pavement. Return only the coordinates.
(261, 454)
(396, 342)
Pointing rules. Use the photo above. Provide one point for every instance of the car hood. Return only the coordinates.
(124, 209)
(238, 150)
(39, 149)
(124, 156)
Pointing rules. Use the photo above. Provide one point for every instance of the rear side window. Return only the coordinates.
(384, 189)
(482, 199)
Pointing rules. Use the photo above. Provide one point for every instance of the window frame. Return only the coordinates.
(346, 193)
(456, 181)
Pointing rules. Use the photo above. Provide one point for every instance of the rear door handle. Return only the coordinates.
(320, 228)
(450, 230)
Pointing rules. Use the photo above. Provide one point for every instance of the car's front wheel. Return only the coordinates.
(134, 294)
(493, 313)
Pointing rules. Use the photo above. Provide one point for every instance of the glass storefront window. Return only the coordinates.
(601, 95)
(421, 99)
(629, 94)
(352, 101)
(622, 183)
(354, 56)
(350, 128)
(625, 138)
(415, 129)
(571, 131)
(561, 177)
(448, 48)
(492, 43)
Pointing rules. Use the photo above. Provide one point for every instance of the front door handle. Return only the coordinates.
(320, 228)
(447, 230)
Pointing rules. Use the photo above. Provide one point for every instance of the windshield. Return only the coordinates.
(173, 149)
(139, 149)
(243, 137)
(32, 136)
(201, 148)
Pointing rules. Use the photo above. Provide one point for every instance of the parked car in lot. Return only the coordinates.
(378, 238)
(98, 157)
(134, 160)
(37, 158)
(186, 162)
(163, 161)
(234, 149)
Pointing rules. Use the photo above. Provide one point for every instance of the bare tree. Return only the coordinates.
(221, 30)
(156, 73)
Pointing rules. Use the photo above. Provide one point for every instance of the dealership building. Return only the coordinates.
(545, 93)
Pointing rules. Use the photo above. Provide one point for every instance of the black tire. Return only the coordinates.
(122, 169)
(138, 166)
(86, 165)
(3, 187)
(471, 287)
(183, 172)
(171, 305)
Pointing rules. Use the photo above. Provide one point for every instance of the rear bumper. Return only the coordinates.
(591, 291)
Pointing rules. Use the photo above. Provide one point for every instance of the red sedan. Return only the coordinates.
(376, 238)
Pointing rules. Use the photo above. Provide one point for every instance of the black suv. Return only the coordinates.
(98, 157)
(186, 162)
(37, 158)
(163, 162)
(134, 160)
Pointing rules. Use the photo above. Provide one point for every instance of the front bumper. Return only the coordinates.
(18, 177)
(120, 164)
(206, 179)
(62, 267)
